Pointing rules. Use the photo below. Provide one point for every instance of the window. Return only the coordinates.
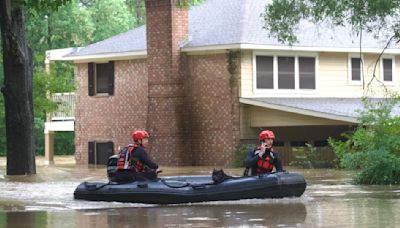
(99, 152)
(355, 69)
(306, 73)
(265, 72)
(285, 72)
(387, 69)
(101, 78)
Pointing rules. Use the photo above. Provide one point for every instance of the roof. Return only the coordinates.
(239, 23)
(342, 109)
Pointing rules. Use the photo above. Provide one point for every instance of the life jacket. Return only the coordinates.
(265, 165)
(127, 160)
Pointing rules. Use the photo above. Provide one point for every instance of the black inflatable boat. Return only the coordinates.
(187, 189)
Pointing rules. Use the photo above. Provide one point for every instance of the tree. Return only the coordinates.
(17, 87)
(110, 17)
(2, 123)
(137, 9)
(70, 26)
(283, 16)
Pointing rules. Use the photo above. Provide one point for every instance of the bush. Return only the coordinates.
(308, 157)
(240, 154)
(63, 141)
(374, 147)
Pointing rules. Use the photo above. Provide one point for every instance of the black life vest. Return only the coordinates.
(127, 160)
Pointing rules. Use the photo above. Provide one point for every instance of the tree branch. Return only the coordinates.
(376, 63)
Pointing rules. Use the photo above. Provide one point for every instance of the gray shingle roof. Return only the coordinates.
(340, 107)
(225, 22)
(132, 40)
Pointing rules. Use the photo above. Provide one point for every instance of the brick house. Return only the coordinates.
(171, 78)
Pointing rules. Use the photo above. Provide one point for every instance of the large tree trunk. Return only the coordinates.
(17, 91)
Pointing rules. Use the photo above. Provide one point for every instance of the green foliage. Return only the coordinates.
(70, 25)
(283, 16)
(39, 5)
(137, 9)
(65, 143)
(240, 154)
(232, 57)
(309, 157)
(110, 17)
(45, 84)
(374, 147)
(305, 156)
(39, 135)
(42, 84)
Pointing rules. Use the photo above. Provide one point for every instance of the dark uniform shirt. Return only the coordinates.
(144, 158)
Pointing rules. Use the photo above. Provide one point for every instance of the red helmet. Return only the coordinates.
(136, 135)
(266, 135)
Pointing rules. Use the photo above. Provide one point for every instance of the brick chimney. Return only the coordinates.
(168, 116)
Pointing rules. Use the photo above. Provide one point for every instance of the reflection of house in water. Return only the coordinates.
(268, 214)
(170, 77)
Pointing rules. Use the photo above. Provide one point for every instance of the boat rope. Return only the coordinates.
(172, 186)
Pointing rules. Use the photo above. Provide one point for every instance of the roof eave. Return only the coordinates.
(298, 110)
(286, 48)
(107, 56)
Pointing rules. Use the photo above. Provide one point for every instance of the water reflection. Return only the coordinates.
(330, 200)
(210, 215)
(165, 216)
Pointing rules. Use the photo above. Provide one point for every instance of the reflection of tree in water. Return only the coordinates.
(25, 219)
(210, 215)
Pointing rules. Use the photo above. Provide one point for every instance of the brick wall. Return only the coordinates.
(110, 118)
(185, 102)
(214, 110)
(168, 116)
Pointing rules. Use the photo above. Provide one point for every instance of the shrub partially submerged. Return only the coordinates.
(374, 147)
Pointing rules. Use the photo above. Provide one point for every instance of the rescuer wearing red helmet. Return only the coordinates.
(262, 159)
(134, 162)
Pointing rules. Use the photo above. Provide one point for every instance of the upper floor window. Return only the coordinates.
(101, 78)
(265, 72)
(285, 72)
(306, 73)
(355, 70)
(387, 69)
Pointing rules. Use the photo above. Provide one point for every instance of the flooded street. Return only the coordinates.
(330, 200)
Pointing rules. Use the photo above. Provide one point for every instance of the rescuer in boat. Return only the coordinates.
(262, 159)
(134, 162)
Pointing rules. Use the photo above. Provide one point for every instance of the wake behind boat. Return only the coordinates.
(189, 189)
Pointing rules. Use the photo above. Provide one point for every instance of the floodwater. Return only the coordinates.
(330, 200)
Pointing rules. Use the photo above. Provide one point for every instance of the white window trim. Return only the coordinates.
(349, 67)
(392, 57)
(275, 89)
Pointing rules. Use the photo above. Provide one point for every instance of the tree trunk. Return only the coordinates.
(17, 91)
